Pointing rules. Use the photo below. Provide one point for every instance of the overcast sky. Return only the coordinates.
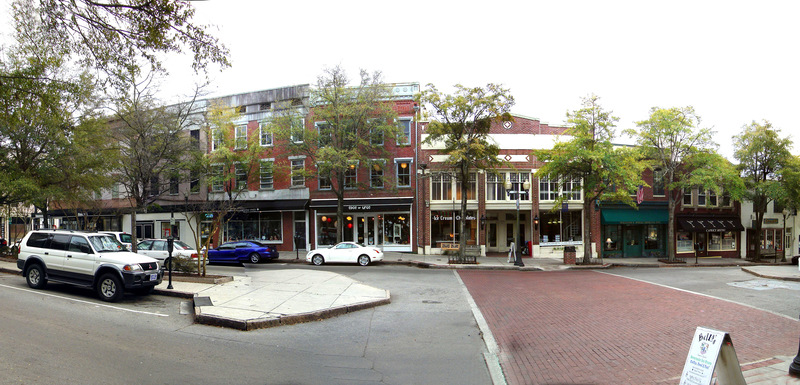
(734, 61)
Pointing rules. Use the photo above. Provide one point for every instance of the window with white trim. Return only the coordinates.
(404, 137)
(297, 128)
(265, 175)
(240, 138)
(241, 176)
(216, 173)
(264, 134)
(298, 166)
(350, 176)
(403, 172)
(495, 187)
(573, 189)
(216, 139)
(441, 186)
(324, 133)
(376, 173)
(548, 189)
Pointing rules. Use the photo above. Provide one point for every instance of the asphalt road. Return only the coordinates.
(66, 335)
(728, 283)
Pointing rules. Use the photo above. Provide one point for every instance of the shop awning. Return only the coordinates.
(633, 217)
(275, 205)
(710, 224)
(364, 204)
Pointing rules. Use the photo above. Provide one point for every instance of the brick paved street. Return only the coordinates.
(587, 327)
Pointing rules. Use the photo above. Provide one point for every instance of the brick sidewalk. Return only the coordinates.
(586, 327)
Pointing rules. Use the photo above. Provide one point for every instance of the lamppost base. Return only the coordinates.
(519, 263)
(794, 367)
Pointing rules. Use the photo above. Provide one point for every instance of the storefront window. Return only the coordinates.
(611, 241)
(684, 242)
(445, 227)
(651, 238)
(397, 229)
(258, 226)
(722, 241)
(561, 227)
(326, 230)
(771, 239)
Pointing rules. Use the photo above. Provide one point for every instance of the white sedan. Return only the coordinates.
(348, 252)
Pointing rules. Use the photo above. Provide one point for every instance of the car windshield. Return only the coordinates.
(181, 245)
(126, 238)
(105, 243)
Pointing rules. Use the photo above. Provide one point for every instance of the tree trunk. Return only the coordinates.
(133, 229)
(587, 231)
(671, 256)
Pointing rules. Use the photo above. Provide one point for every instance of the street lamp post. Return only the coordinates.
(525, 186)
(785, 212)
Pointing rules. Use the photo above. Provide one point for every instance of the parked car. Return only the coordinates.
(242, 251)
(89, 259)
(122, 237)
(346, 252)
(157, 248)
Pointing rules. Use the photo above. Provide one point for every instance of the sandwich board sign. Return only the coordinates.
(711, 350)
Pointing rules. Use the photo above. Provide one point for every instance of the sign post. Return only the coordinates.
(711, 350)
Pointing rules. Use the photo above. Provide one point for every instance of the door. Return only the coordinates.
(144, 230)
(365, 226)
(80, 259)
(702, 247)
(633, 242)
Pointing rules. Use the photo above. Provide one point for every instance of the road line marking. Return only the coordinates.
(704, 295)
(86, 302)
(492, 356)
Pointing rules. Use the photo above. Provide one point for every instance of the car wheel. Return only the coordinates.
(254, 258)
(35, 276)
(363, 260)
(109, 287)
(317, 260)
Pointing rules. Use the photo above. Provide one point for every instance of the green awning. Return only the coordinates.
(634, 217)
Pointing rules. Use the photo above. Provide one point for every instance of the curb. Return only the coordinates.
(747, 270)
(262, 323)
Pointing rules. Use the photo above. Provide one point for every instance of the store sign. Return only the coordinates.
(770, 221)
(711, 350)
(438, 217)
(359, 208)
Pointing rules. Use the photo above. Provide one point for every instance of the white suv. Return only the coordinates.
(88, 259)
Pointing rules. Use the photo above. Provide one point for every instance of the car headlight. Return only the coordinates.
(135, 267)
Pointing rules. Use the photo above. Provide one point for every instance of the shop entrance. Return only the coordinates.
(367, 230)
(633, 242)
(500, 233)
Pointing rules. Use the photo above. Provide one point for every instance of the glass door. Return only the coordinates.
(366, 228)
(633, 242)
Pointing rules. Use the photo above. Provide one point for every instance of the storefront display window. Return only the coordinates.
(684, 242)
(722, 241)
(651, 238)
(561, 227)
(397, 229)
(611, 241)
(260, 226)
(445, 227)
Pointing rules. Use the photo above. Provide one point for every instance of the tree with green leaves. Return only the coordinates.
(155, 147)
(461, 125)
(762, 156)
(50, 130)
(117, 36)
(353, 123)
(607, 173)
(672, 142)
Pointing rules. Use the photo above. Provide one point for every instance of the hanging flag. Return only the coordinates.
(640, 195)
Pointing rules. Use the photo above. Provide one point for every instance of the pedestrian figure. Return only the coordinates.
(512, 250)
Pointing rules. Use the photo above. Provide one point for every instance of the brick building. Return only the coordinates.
(492, 209)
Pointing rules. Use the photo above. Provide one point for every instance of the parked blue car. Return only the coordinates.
(242, 251)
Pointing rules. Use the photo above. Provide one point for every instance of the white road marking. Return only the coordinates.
(85, 302)
(694, 292)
